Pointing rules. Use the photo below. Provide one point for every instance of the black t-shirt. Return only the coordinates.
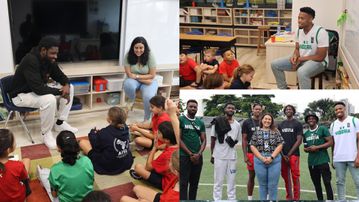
(212, 63)
(238, 84)
(289, 131)
(249, 127)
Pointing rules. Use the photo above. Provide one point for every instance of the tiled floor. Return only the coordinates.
(116, 186)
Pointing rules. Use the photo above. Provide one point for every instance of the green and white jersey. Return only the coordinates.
(317, 37)
(317, 137)
(345, 139)
(189, 134)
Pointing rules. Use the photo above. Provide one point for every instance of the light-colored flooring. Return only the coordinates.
(84, 122)
(249, 56)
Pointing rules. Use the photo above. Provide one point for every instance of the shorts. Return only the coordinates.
(157, 197)
(250, 157)
(155, 179)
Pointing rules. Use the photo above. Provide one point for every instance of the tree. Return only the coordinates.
(215, 105)
(324, 108)
(265, 100)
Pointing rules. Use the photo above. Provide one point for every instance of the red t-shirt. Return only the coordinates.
(161, 166)
(170, 195)
(186, 70)
(225, 68)
(11, 189)
(156, 121)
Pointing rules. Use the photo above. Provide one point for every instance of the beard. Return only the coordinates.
(230, 113)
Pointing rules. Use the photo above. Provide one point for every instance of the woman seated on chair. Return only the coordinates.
(140, 67)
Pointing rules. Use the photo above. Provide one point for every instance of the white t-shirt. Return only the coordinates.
(345, 139)
(308, 43)
(224, 151)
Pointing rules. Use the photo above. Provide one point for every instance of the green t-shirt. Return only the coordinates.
(317, 137)
(72, 183)
(189, 135)
(142, 69)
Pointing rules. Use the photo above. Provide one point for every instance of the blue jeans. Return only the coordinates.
(340, 170)
(268, 177)
(148, 91)
(305, 71)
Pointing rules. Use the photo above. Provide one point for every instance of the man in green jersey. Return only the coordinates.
(316, 141)
(193, 143)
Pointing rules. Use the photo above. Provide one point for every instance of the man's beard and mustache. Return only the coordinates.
(229, 113)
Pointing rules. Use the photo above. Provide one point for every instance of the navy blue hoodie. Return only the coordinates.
(110, 152)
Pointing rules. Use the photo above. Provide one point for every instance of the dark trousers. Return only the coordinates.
(190, 174)
(323, 171)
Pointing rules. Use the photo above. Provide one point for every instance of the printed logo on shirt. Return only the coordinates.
(287, 130)
(312, 137)
(190, 127)
(305, 45)
(342, 131)
(121, 147)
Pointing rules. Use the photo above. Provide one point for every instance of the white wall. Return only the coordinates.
(6, 58)
(326, 12)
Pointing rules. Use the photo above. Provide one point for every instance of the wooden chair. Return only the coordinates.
(261, 31)
(320, 80)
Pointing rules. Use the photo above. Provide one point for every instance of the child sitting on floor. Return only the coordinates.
(72, 178)
(156, 171)
(14, 179)
(189, 71)
(210, 64)
(169, 194)
(227, 66)
(145, 137)
(108, 148)
(242, 77)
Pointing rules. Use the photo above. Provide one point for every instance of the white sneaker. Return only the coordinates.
(43, 175)
(49, 140)
(65, 126)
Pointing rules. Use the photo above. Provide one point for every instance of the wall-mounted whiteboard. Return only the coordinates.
(350, 43)
(158, 22)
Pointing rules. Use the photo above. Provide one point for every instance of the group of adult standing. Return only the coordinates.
(269, 151)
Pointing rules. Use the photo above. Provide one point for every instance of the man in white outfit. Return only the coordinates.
(32, 87)
(224, 154)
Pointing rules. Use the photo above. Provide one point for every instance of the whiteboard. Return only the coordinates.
(351, 36)
(158, 22)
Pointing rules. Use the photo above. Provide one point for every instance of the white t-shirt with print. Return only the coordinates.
(345, 139)
(308, 42)
(224, 151)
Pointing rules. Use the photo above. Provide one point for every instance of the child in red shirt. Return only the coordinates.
(189, 71)
(227, 66)
(145, 137)
(170, 193)
(13, 174)
(156, 171)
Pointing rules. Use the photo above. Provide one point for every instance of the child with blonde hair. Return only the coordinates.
(242, 77)
(109, 148)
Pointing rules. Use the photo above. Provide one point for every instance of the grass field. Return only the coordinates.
(307, 187)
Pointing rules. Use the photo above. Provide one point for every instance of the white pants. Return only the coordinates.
(223, 167)
(47, 104)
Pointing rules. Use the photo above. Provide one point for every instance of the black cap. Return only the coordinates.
(311, 115)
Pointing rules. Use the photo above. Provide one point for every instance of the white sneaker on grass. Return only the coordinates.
(65, 126)
(49, 140)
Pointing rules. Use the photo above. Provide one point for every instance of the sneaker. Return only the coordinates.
(65, 126)
(134, 175)
(49, 140)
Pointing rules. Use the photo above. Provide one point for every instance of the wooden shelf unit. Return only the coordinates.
(206, 16)
(245, 22)
(86, 71)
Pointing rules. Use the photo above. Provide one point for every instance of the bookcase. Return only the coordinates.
(92, 100)
(245, 21)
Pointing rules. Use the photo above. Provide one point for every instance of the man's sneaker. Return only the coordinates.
(49, 140)
(134, 175)
(65, 126)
